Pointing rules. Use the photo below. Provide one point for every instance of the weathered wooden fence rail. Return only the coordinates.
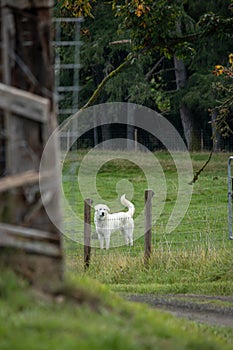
(29, 240)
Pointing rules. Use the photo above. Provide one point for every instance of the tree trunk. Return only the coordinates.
(215, 134)
(130, 128)
(106, 132)
(96, 140)
(106, 135)
(191, 132)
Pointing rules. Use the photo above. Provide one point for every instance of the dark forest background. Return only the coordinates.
(175, 80)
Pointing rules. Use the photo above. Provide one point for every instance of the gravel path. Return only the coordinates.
(212, 310)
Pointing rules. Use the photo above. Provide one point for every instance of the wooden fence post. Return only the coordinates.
(87, 232)
(147, 224)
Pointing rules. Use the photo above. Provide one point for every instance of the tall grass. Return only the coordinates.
(181, 269)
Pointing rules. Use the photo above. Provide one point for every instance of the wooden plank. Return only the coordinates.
(24, 103)
(27, 233)
(42, 248)
(30, 240)
(5, 32)
(26, 178)
(21, 4)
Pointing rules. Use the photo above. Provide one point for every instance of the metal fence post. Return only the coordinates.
(87, 232)
(148, 224)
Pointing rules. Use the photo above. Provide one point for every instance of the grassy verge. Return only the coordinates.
(198, 270)
(83, 314)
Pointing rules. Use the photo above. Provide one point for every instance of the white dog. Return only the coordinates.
(106, 223)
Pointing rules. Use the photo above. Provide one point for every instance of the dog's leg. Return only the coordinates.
(107, 239)
(101, 239)
(126, 236)
(126, 239)
(129, 237)
(131, 240)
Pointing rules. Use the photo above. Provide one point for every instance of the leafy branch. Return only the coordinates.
(105, 80)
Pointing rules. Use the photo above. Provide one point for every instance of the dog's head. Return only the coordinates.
(101, 211)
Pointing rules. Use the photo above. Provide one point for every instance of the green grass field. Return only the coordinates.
(83, 314)
(196, 256)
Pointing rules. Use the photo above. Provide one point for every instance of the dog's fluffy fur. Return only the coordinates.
(106, 223)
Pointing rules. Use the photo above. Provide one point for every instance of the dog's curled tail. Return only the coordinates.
(128, 204)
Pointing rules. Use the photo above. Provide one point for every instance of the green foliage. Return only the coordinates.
(76, 8)
(214, 24)
(199, 32)
(154, 26)
(211, 48)
(223, 88)
(98, 55)
(196, 94)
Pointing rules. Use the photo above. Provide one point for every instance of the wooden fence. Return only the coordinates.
(30, 241)
(25, 225)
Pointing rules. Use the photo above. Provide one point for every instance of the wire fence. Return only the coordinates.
(205, 223)
(96, 136)
(205, 227)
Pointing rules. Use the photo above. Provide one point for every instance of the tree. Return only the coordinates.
(75, 8)
(198, 94)
(223, 121)
(178, 30)
(167, 40)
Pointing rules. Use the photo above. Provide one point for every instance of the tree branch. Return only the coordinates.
(104, 81)
(123, 41)
(198, 172)
(149, 74)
